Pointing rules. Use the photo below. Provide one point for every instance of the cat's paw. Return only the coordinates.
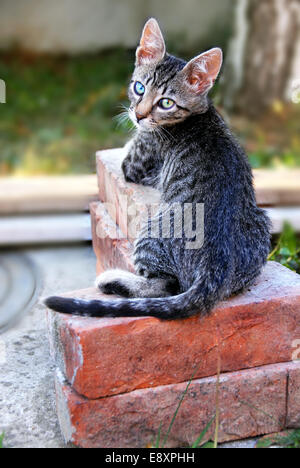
(115, 282)
(126, 168)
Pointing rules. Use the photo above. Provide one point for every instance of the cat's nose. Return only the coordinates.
(140, 116)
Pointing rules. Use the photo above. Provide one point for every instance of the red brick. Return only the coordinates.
(126, 203)
(99, 268)
(251, 403)
(293, 415)
(108, 356)
(111, 248)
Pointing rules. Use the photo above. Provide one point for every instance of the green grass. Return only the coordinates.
(59, 111)
(201, 441)
(286, 249)
(291, 440)
(1, 440)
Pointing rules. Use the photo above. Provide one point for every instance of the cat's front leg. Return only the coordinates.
(129, 167)
(136, 174)
(130, 172)
(140, 166)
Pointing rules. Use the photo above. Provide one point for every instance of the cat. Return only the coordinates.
(185, 150)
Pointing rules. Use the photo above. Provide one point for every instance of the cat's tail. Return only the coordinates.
(168, 308)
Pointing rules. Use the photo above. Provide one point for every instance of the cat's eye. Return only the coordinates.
(139, 88)
(166, 103)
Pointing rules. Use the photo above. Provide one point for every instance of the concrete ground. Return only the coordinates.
(27, 401)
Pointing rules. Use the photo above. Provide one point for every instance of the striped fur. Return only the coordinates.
(190, 156)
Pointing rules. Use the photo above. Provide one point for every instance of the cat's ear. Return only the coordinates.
(152, 45)
(202, 71)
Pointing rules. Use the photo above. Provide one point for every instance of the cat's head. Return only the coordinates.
(165, 90)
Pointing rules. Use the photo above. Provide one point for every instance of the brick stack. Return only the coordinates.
(118, 380)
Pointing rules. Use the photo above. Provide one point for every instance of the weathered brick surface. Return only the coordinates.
(251, 402)
(111, 248)
(293, 416)
(99, 268)
(108, 356)
(123, 375)
(126, 203)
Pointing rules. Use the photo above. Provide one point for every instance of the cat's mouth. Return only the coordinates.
(147, 123)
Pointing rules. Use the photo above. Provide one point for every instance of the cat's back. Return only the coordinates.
(206, 161)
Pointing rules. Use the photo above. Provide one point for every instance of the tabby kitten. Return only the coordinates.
(185, 150)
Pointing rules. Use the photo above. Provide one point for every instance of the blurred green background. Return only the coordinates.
(60, 110)
(65, 87)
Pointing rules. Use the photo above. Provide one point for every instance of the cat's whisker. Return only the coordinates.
(123, 119)
(167, 133)
(120, 117)
(160, 133)
(122, 106)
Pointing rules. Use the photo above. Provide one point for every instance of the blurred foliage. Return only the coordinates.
(287, 249)
(273, 140)
(274, 157)
(291, 440)
(60, 110)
